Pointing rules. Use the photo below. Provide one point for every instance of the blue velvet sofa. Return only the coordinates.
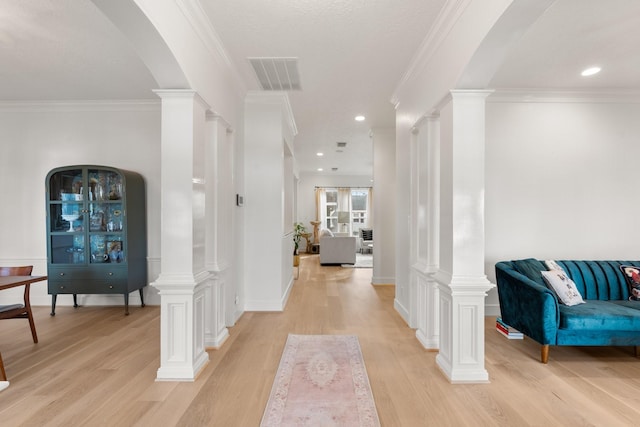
(607, 318)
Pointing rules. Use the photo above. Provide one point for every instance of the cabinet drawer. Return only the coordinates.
(87, 274)
(66, 287)
(87, 287)
(113, 287)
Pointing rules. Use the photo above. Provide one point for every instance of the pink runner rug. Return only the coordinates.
(321, 381)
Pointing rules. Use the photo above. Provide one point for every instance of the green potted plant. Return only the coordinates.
(298, 230)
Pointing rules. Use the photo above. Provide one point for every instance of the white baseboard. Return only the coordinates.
(217, 342)
(492, 310)
(428, 343)
(402, 310)
(383, 280)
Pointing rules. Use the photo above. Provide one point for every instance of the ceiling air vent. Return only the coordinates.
(341, 144)
(276, 73)
(334, 169)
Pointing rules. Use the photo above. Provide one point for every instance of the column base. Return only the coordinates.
(182, 373)
(461, 356)
(428, 332)
(428, 343)
(182, 302)
(462, 376)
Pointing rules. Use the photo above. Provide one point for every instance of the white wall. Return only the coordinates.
(561, 181)
(39, 137)
(269, 132)
(384, 207)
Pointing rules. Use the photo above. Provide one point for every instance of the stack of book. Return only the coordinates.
(508, 331)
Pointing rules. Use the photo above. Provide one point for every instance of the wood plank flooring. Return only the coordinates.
(96, 367)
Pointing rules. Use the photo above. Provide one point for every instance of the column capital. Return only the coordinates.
(427, 119)
(216, 118)
(470, 93)
(174, 94)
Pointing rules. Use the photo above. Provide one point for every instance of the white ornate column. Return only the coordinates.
(463, 284)
(183, 277)
(218, 242)
(428, 332)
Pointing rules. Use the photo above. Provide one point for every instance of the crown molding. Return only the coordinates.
(199, 21)
(212, 116)
(611, 96)
(446, 20)
(80, 105)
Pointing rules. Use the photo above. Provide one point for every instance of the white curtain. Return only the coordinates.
(321, 202)
(344, 205)
(369, 222)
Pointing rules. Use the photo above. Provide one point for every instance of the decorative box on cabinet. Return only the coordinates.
(96, 232)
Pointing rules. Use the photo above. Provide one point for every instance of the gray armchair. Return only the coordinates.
(366, 239)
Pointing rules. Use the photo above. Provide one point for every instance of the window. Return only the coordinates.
(359, 203)
(331, 210)
(344, 210)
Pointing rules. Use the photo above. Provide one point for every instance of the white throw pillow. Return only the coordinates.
(552, 265)
(563, 286)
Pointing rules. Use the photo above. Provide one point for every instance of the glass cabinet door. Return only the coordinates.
(105, 185)
(106, 216)
(86, 216)
(67, 185)
(67, 217)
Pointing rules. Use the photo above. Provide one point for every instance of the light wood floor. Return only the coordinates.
(94, 367)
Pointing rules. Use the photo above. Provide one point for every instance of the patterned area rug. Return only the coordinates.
(321, 381)
(362, 261)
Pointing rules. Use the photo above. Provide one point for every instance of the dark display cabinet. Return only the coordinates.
(96, 232)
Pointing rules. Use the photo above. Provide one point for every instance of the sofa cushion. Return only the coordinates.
(632, 276)
(599, 315)
(563, 286)
(628, 303)
(532, 268)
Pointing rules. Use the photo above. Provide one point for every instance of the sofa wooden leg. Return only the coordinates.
(544, 353)
(637, 350)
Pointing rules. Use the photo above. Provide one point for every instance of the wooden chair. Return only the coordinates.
(22, 311)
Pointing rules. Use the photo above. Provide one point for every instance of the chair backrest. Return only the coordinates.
(366, 234)
(16, 271)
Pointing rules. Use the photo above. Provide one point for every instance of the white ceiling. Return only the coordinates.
(571, 36)
(68, 50)
(351, 57)
(351, 53)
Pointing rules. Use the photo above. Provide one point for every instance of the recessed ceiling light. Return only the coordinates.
(590, 71)
(319, 154)
(320, 169)
(359, 118)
